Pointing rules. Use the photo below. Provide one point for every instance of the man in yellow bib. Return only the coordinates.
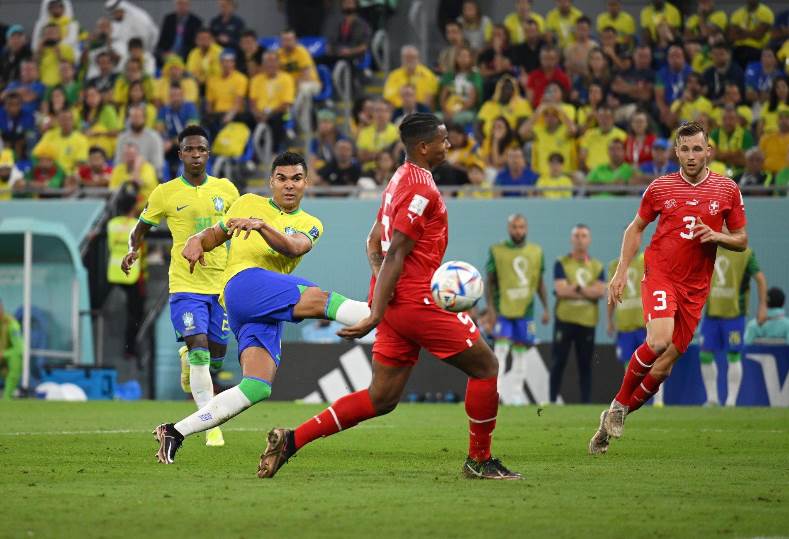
(515, 270)
(132, 283)
(190, 204)
(269, 238)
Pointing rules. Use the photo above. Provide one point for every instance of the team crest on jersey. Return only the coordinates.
(289, 230)
(714, 207)
(671, 203)
(189, 321)
(219, 204)
(314, 233)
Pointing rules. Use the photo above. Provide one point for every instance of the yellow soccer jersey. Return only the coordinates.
(254, 252)
(189, 210)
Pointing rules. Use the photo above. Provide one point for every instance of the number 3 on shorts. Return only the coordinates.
(661, 300)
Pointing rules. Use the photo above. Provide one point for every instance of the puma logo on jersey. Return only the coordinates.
(693, 202)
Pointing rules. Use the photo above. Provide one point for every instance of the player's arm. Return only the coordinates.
(290, 245)
(542, 292)
(761, 287)
(733, 240)
(375, 253)
(202, 242)
(492, 281)
(135, 240)
(631, 242)
(385, 284)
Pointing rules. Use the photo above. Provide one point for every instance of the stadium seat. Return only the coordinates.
(324, 73)
(366, 62)
(316, 45)
(270, 43)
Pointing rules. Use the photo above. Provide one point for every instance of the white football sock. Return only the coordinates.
(351, 312)
(709, 373)
(202, 386)
(500, 350)
(224, 406)
(517, 376)
(733, 378)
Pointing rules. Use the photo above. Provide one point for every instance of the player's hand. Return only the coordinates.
(610, 329)
(128, 261)
(360, 329)
(705, 233)
(616, 287)
(193, 253)
(546, 317)
(236, 226)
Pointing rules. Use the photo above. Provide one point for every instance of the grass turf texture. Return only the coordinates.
(677, 472)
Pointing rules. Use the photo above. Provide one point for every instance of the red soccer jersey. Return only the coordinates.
(673, 251)
(413, 205)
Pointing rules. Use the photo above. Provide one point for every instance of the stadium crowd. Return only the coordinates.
(561, 100)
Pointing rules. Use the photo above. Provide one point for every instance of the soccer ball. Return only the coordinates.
(456, 286)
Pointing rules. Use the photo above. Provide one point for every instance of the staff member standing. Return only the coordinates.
(579, 282)
(10, 352)
(723, 325)
(514, 276)
(133, 284)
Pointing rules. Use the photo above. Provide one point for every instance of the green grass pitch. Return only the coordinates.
(88, 470)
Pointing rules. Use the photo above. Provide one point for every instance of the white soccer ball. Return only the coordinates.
(456, 286)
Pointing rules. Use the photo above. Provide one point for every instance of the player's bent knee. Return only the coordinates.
(384, 401)
(255, 389)
(383, 407)
(658, 344)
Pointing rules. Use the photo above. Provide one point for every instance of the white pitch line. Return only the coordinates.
(134, 431)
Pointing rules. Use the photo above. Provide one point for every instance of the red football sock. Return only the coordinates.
(643, 392)
(482, 405)
(640, 363)
(345, 413)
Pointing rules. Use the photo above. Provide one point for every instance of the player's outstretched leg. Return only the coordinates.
(652, 381)
(482, 405)
(659, 333)
(380, 398)
(258, 369)
(317, 303)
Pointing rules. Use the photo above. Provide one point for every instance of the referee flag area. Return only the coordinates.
(88, 470)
